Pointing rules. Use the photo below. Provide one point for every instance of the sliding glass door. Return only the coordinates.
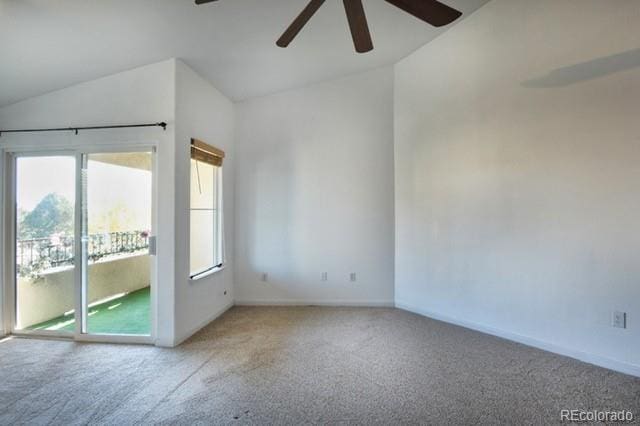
(116, 230)
(83, 232)
(45, 283)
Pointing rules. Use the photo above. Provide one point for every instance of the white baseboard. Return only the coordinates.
(611, 364)
(180, 339)
(306, 302)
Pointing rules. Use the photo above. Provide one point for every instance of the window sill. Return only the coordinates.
(206, 274)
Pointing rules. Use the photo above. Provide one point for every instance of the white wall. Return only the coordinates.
(517, 164)
(315, 193)
(202, 112)
(142, 95)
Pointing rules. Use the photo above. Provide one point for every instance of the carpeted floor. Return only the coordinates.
(293, 365)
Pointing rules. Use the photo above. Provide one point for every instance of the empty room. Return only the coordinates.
(319, 212)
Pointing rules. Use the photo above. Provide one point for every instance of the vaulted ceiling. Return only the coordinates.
(50, 44)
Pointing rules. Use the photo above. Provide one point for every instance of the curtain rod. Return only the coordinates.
(76, 129)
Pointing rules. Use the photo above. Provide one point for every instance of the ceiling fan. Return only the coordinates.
(431, 11)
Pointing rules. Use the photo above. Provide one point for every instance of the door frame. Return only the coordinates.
(9, 226)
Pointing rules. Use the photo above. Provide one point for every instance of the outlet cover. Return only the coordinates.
(324, 276)
(619, 319)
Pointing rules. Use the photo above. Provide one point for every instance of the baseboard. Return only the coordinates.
(311, 302)
(600, 361)
(179, 340)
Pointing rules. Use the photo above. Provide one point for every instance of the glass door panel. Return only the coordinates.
(45, 191)
(116, 229)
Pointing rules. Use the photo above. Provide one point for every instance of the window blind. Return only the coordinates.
(201, 151)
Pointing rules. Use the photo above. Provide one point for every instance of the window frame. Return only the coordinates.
(204, 153)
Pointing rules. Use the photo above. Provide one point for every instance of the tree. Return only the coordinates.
(52, 215)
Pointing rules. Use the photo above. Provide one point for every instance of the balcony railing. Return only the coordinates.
(38, 254)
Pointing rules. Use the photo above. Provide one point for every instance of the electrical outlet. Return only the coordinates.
(619, 319)
(324, 276)
(352, 277)
(264, 277)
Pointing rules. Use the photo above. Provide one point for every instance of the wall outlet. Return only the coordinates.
(352, 277)
(324, 276)
(619, 319)
(264, 277)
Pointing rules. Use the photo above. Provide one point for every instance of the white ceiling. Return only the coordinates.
(50, 44)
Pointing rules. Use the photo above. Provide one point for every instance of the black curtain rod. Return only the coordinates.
(76, 129)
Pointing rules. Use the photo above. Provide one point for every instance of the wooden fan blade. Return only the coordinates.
(204, 1)
(298, 23)
(430, 11)
(358, 25)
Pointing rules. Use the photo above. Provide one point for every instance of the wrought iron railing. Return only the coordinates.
(39, 254)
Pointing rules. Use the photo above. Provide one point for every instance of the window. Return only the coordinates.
(206, 239)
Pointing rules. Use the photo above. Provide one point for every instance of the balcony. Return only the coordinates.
(118, 283)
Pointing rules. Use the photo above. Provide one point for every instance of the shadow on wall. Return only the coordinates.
(584, 71)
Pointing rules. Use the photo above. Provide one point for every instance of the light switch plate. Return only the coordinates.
(619, 319)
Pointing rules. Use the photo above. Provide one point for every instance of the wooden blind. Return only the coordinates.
(206, 153)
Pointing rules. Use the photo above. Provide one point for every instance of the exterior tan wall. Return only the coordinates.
(53, 293)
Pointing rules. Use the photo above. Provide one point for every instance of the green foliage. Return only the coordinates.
(46, 235)
(52, 215)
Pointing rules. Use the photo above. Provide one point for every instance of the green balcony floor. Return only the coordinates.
(128, 314)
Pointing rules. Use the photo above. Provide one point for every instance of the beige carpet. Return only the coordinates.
(291, 365)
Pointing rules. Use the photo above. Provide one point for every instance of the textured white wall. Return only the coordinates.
(142, 95)
(517, 165)
(315, 193)
(202, 112)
